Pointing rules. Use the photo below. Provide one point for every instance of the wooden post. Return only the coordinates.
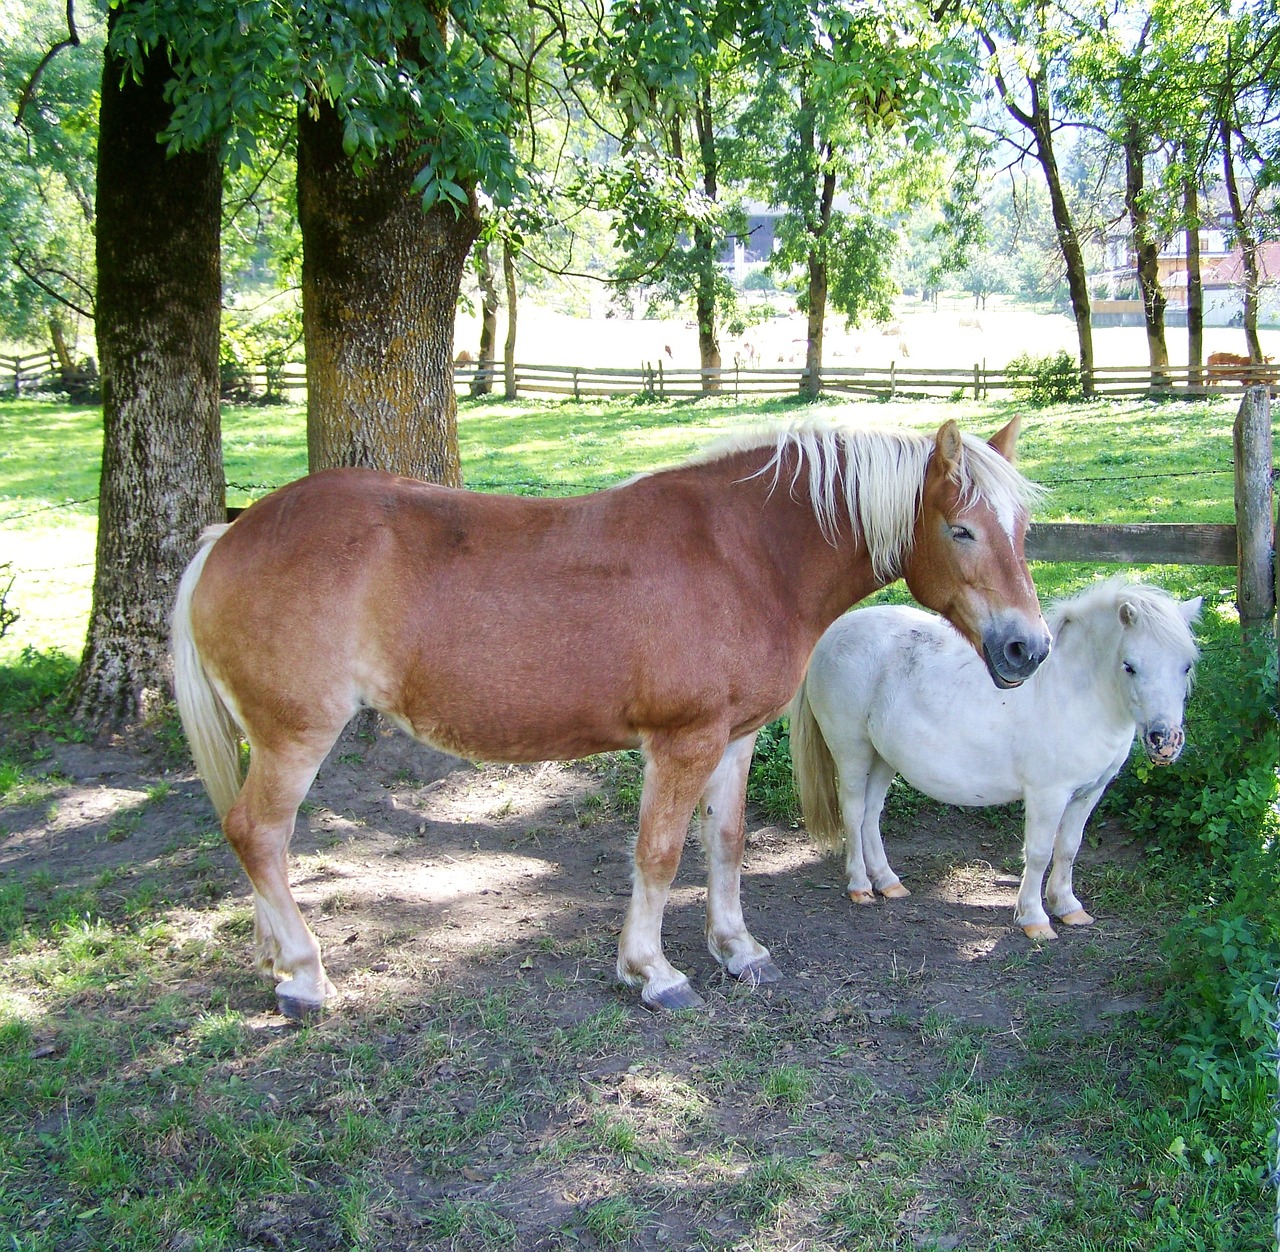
(977, 382)
(1255, 534)
(893, 379)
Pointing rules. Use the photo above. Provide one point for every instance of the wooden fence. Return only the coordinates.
(21, 375)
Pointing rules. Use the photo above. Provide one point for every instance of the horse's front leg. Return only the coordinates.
(677, 767)
(1060, 893)
(723, 831)
(1043, 814)
(880, 776)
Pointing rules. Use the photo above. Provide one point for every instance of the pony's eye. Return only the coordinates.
(1128, 669)
(962, 534)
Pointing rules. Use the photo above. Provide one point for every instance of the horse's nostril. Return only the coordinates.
(1016, 651)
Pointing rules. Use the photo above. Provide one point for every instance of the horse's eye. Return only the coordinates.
(962, 534)
(1128, 669)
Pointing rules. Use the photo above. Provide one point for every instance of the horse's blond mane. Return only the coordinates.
(875, 477)
(1156, 611)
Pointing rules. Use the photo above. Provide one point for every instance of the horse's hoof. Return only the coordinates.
(862, 897)
(299, 1010)
(680, 996)
(759, 971)
(1039, 932)
(1077, 918)
(895, 891)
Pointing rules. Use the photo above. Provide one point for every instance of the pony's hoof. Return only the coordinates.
(680, 996)
(299, 1010)
(763, 970)
(895, 891)
(1077, 918)
(862, 897)
(1039, 932)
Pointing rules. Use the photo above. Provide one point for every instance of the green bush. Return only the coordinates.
(1043, 380)
(1216, 837)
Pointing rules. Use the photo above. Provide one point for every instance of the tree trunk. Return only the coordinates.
(509, 348)
(158, 304)
(706, 242)
(817, 290)
(380, 281)
(1248, 245)
(1069, 242)
(1147, 251)
(58, 337)
(482, 384)
(1195, 283)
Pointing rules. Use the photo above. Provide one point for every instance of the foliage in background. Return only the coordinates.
(1044, 380)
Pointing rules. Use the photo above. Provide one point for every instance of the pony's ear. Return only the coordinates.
(1191, 609)
(1003, 440)
(1128, 614)
(948, 449)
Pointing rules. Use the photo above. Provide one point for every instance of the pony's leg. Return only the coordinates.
(1060, 894)
(1043, 814)
(723, 831)
(259, 826)
(677, 767)
(855, 764)
(879, 778)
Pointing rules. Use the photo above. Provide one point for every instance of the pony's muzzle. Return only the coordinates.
(1013, 654)
(1162, 743)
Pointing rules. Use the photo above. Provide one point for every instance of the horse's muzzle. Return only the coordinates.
(1013, 654)
(1162, 744)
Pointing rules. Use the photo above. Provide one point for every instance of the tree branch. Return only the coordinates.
(71, 41)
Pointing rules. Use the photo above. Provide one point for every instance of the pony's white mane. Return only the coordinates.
(1156, 611)
(875, 477)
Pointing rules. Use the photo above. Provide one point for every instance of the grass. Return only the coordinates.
(146, 1103)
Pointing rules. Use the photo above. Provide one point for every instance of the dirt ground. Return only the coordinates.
(420, 872)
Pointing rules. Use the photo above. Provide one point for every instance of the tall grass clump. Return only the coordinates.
(1212, 820)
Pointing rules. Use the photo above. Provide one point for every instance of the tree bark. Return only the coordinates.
(380, 281)
(158, 305)
(1240, 219)
(705, 245)
(509, 348)
(482, 383)
(1147, 252)
(1195, 283)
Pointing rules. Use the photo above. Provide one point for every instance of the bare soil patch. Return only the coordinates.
(436, 886)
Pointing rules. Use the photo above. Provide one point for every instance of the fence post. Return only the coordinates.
(893, 379)
(1255, 533)
(977, 382)
(575, 383)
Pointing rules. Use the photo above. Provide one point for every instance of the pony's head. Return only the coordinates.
(1143, 635)
(966, 558)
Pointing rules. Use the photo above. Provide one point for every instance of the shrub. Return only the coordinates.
(1042, 380)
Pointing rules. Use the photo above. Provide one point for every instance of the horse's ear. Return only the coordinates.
(948, 449)
(1191, 609)
(1003, 441)
(1128, 614)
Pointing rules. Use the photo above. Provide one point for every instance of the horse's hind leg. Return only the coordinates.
(676, 771)
(879, 779)
(723, 831)
(259, 826)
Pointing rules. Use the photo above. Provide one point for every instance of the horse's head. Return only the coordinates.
(1155, 658)
(966, 559)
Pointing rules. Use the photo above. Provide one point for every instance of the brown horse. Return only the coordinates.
(675, 613)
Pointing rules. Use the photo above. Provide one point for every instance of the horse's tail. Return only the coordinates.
(211, 730)
(814, 770)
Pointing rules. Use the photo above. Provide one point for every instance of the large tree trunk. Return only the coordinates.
(380, 282)
(482, 383)
(817, 290)
(1195, 283)
(1147, 251)
(158, 304)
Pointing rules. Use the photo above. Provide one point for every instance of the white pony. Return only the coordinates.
(894, 690)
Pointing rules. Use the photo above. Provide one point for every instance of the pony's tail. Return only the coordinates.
(211, 730)
(814, 770)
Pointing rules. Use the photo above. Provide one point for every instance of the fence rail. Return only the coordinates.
(25, 375)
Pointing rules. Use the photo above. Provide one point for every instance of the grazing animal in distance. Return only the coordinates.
(1223, 366)
(464, 358)
(892, 690)
(674, 613)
